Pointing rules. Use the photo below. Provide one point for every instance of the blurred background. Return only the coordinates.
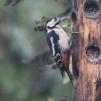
(19, 43)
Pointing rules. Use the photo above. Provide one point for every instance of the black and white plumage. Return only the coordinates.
(59, 43)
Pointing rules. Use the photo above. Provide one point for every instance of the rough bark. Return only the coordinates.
(88, 83)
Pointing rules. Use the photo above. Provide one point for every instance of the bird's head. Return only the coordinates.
(52, 23)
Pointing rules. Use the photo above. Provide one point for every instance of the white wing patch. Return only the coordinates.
(53, 48)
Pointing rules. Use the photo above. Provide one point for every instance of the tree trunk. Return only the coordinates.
(87, 84)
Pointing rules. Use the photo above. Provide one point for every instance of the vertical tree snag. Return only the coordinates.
(88, 24)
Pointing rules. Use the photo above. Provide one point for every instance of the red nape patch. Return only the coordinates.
(65, 60)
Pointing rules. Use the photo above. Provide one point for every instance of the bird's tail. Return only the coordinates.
(63, 70)
(69, 75)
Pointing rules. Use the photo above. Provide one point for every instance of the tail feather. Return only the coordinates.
(62, 70)
(69, 75)
(62, 73)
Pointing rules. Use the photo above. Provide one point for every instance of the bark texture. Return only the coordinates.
(88, 83)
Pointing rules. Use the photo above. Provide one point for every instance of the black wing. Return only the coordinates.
(52, 40)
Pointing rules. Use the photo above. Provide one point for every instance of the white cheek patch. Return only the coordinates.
(53, 48)
(51, 23)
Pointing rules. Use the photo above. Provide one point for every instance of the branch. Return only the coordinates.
(42, 60)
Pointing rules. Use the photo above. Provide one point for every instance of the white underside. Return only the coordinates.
(64, 38)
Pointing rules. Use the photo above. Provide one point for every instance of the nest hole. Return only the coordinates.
(91, 9)
(93, 53)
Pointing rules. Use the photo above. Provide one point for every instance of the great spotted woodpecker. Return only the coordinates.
(59, 43)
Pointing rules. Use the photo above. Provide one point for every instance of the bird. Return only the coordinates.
(59, 43)
(11, 2)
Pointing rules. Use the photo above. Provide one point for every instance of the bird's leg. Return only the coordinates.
(69, 75)
(62, 71)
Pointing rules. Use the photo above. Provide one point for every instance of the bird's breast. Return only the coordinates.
(64, 39)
